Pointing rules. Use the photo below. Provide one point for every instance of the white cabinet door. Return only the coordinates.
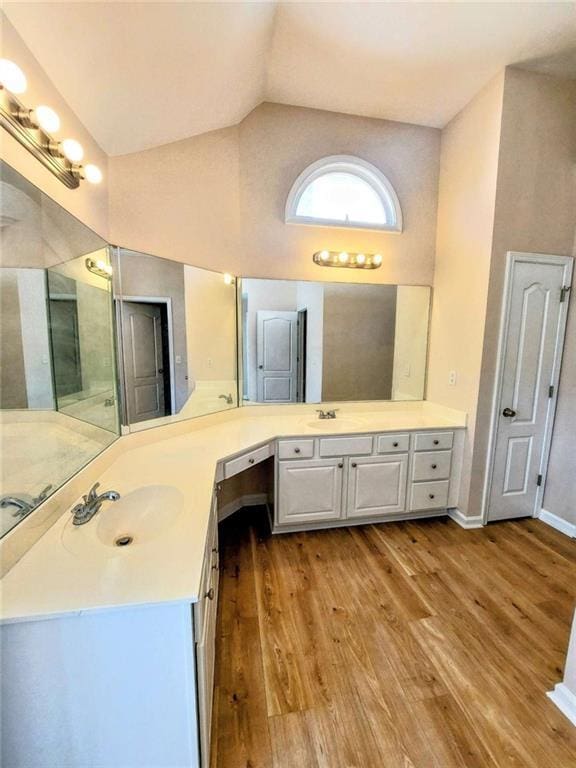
(377, 485)
(309, 491)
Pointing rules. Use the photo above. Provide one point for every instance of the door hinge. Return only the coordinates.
(551, 390)
(539, 481)
(563, 291)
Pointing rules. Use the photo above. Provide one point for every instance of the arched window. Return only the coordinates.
(344, 191)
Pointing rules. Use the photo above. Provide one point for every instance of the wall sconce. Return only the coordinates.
(347, 260)
(229, 279)
(99, 268)
(33, 128)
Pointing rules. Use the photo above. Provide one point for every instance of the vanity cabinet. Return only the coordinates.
(376, 485)
(348, 479)
(310, 491)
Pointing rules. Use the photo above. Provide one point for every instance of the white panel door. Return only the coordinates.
(276, 355)
(309, 491)
(377, 485)
(534, 321)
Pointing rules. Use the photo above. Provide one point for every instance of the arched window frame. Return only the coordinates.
(357, 167)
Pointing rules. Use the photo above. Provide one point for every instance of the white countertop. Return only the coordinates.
(51, 581)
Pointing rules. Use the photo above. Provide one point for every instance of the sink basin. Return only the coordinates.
(120, 526)
(335, 425)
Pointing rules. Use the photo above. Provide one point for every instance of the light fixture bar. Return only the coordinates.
(35, 140)
(99, 268)
(347, 260)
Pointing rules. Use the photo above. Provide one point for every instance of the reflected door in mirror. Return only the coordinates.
(276, 338)
(144, 353)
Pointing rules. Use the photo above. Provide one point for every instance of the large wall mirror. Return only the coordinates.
(58, 404)
(177, 339)
(318, 342)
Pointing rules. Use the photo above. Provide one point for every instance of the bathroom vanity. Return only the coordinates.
(134, 627)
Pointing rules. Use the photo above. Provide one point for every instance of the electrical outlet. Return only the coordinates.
(452, 378)
(178, 359)
(210, 362)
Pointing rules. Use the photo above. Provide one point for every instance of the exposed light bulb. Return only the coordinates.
(228, 279)
(324, 255)
(343, 257)
(377, 259)
(360, 258)
(72, 150)
(11, 76)
(47, 119)
(93, 174)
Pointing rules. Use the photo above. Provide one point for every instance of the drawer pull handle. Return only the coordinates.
(210, 593)
(430, 495)
(340, 465)
(215, 550)
(354, 464)
(395, 445)
(250, 461)
(215, 567)
(436, 442)
(296, 450)
(434, 466)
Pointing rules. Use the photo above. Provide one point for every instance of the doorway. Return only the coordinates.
(147, 352)
(530, 350)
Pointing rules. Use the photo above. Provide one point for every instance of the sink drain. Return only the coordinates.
(123, 541)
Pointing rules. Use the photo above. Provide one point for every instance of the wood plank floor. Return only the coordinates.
(404, 645)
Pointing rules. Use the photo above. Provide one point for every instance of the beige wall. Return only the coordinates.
(276, 144)
(180, 201)
(535, 212)
(467, 193)
(89, 202)
(217, 200)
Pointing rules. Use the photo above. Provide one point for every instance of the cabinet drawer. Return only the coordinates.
(295, 449)
(392, 443)
(234, 466)
(429, 495)
(208, 596)
(345, 446)
(431, 465)
(433, 441)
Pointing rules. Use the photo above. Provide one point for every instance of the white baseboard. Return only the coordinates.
(249, 500)
(565, 700)
(465, 522)
(558, 522)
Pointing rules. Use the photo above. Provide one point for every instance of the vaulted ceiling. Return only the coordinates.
(143, 74)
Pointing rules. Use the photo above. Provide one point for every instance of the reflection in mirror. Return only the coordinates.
(319, 342)
(177, 327)
(52, 419)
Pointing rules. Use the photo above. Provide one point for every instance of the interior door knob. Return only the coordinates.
(508, 412)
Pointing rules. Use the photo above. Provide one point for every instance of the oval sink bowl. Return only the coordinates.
(136, 518)
(335, 425)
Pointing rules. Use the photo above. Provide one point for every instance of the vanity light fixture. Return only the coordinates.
(33, 128)
(347, 260)
(99, 268)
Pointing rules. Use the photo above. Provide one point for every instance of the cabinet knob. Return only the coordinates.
(340, 465)
(395, 445)
(430, 495)
(210, 593)
(215, 550)
(296, 450)
(250, 461)
(434, 466)
(436, 442)
(354, 464)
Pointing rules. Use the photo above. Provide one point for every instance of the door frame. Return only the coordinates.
(167, 300)
(513, 258)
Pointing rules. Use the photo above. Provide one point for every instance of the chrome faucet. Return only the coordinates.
(24, 508)
(327, 414)
(229, 399)
(86, 509)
